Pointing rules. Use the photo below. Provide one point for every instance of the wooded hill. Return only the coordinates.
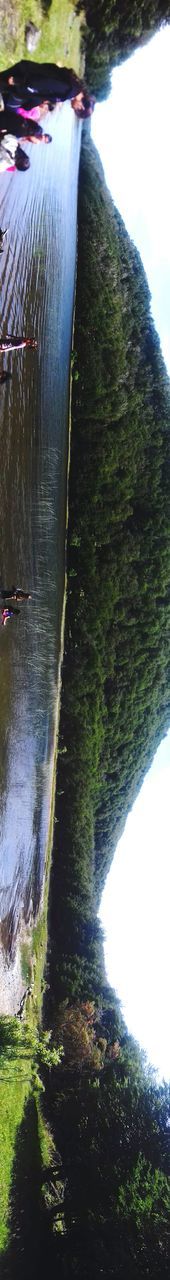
(109, 1119)
(103, 1207)
(115, 698)
(115, 28)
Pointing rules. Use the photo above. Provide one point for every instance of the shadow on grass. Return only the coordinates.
(30, 1242)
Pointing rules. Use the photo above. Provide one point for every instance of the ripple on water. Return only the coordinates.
(37, 288)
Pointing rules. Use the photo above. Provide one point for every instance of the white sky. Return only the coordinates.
(131, 131)
(135, 913)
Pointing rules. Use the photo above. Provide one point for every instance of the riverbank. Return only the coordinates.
(17, 1082)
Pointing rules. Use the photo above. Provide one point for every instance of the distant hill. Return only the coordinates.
(114, 31)
(115, 701)
(110, 1120)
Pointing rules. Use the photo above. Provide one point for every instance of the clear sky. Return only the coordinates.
(131, 131)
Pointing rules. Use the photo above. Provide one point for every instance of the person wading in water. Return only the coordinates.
(10, 343)
(14, 593)
(6, 614)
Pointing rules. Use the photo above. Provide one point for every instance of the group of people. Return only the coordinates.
(28, 91)
(10, 594)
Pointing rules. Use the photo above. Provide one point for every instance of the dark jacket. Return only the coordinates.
(10, 122)
(36, 82)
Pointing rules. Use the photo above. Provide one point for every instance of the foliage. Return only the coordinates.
(15, 1077)
(23, 1055)
(109, 1117)
(115, 695)
(115, 28)
(75, 1026)
(103, 1203)
(110, 1120)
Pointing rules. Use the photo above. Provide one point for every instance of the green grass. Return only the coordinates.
(19, 1084)
(60, 32)
(15, 1082)
(26, 963)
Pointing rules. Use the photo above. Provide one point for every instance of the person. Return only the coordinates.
(12, 155)
(2, 238)
(10, 343)
(13, 124)
(35, 113)
(6, 614)
(14, 593)
(83, 105)
(22, 595)
(27, 83)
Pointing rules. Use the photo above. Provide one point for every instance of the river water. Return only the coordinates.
(37, 274)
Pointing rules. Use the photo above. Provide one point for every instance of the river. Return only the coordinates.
(37, 275)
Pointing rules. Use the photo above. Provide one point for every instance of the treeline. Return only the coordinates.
(115, 703)
(101, 1205)
(115, 28)
(107, 1200)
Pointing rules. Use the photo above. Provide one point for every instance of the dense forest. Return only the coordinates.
(90, 1193)
(115, 28)
(104, 1206)
(115, 704)
(101, 1204)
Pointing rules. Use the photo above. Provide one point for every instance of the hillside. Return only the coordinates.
(94, 1198)
(115, 693)
(114, 31)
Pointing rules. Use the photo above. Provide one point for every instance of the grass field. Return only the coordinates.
(60, 32)
(15, 1082)
(20, 1090)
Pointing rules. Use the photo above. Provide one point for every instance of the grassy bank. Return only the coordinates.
(22, 1057)
(15, 1077)
(59, 26)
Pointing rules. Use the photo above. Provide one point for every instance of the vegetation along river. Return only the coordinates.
(37, 274)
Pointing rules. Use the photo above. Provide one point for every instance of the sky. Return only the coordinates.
(131, 131)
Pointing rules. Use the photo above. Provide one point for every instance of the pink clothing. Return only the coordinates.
(5, 615)
(34, 114)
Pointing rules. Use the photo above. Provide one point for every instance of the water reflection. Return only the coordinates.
(37, 285)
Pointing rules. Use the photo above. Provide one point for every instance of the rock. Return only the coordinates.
(32, 36)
